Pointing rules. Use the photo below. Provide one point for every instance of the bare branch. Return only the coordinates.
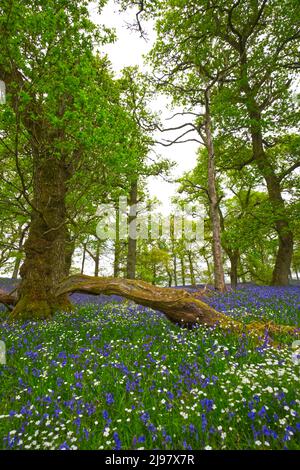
(185, 113)
(289, 170)
(167, 129)
(177, 140)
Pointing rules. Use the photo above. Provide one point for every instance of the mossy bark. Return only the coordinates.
(282, 224)
(45, 248)
(219, 278)
(179, 306)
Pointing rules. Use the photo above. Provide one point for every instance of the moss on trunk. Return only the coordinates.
(179, 306)
(45, 248)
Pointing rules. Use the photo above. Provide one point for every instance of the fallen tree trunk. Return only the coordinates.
(178, 305)
(8, 299)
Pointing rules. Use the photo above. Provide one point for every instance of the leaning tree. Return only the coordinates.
(179, 306)
(62, 100)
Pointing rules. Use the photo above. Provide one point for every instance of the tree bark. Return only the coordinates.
(169, 277)
(132, 242)
(182, 265)
(154, 273)
(83, 258)
(97, 259)
(178, 305)
(280, 276)
(192, 272)
(117, 246)
(234, 262)
(45, 247)
(284, 255)
(20, 246)
(219, 280)
(175, 270)
(16, 268)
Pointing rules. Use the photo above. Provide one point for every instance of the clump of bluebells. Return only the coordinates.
(117, 376)
(265, 303)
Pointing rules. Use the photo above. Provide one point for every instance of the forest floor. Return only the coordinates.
(114, 375)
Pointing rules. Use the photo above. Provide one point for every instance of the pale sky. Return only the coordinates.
(129, 50)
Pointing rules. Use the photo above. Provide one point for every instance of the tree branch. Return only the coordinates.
(289, 170)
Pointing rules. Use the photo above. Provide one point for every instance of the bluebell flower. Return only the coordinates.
(262, 411)
(145, 417)
(117, 440)
(203, 422)
(64, 446)
(109, 398)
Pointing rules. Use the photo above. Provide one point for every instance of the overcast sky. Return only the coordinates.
(129, 50)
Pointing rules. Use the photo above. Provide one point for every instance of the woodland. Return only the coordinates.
(164, 319)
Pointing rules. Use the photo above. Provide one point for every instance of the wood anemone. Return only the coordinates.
(178, 305)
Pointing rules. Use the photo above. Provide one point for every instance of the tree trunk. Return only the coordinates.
(44, 264)
(179, 306)
(280, 276)
(169, 277)
(284, 255)
(154, 273)
(97, 259)
(18, 258)
(182, 270)
(83, 258)
(234, 262)
(219, 280)
(175, 270)
(16, 268)
(132, 242)
(117, 247)
(208, 265)
(192, 272)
